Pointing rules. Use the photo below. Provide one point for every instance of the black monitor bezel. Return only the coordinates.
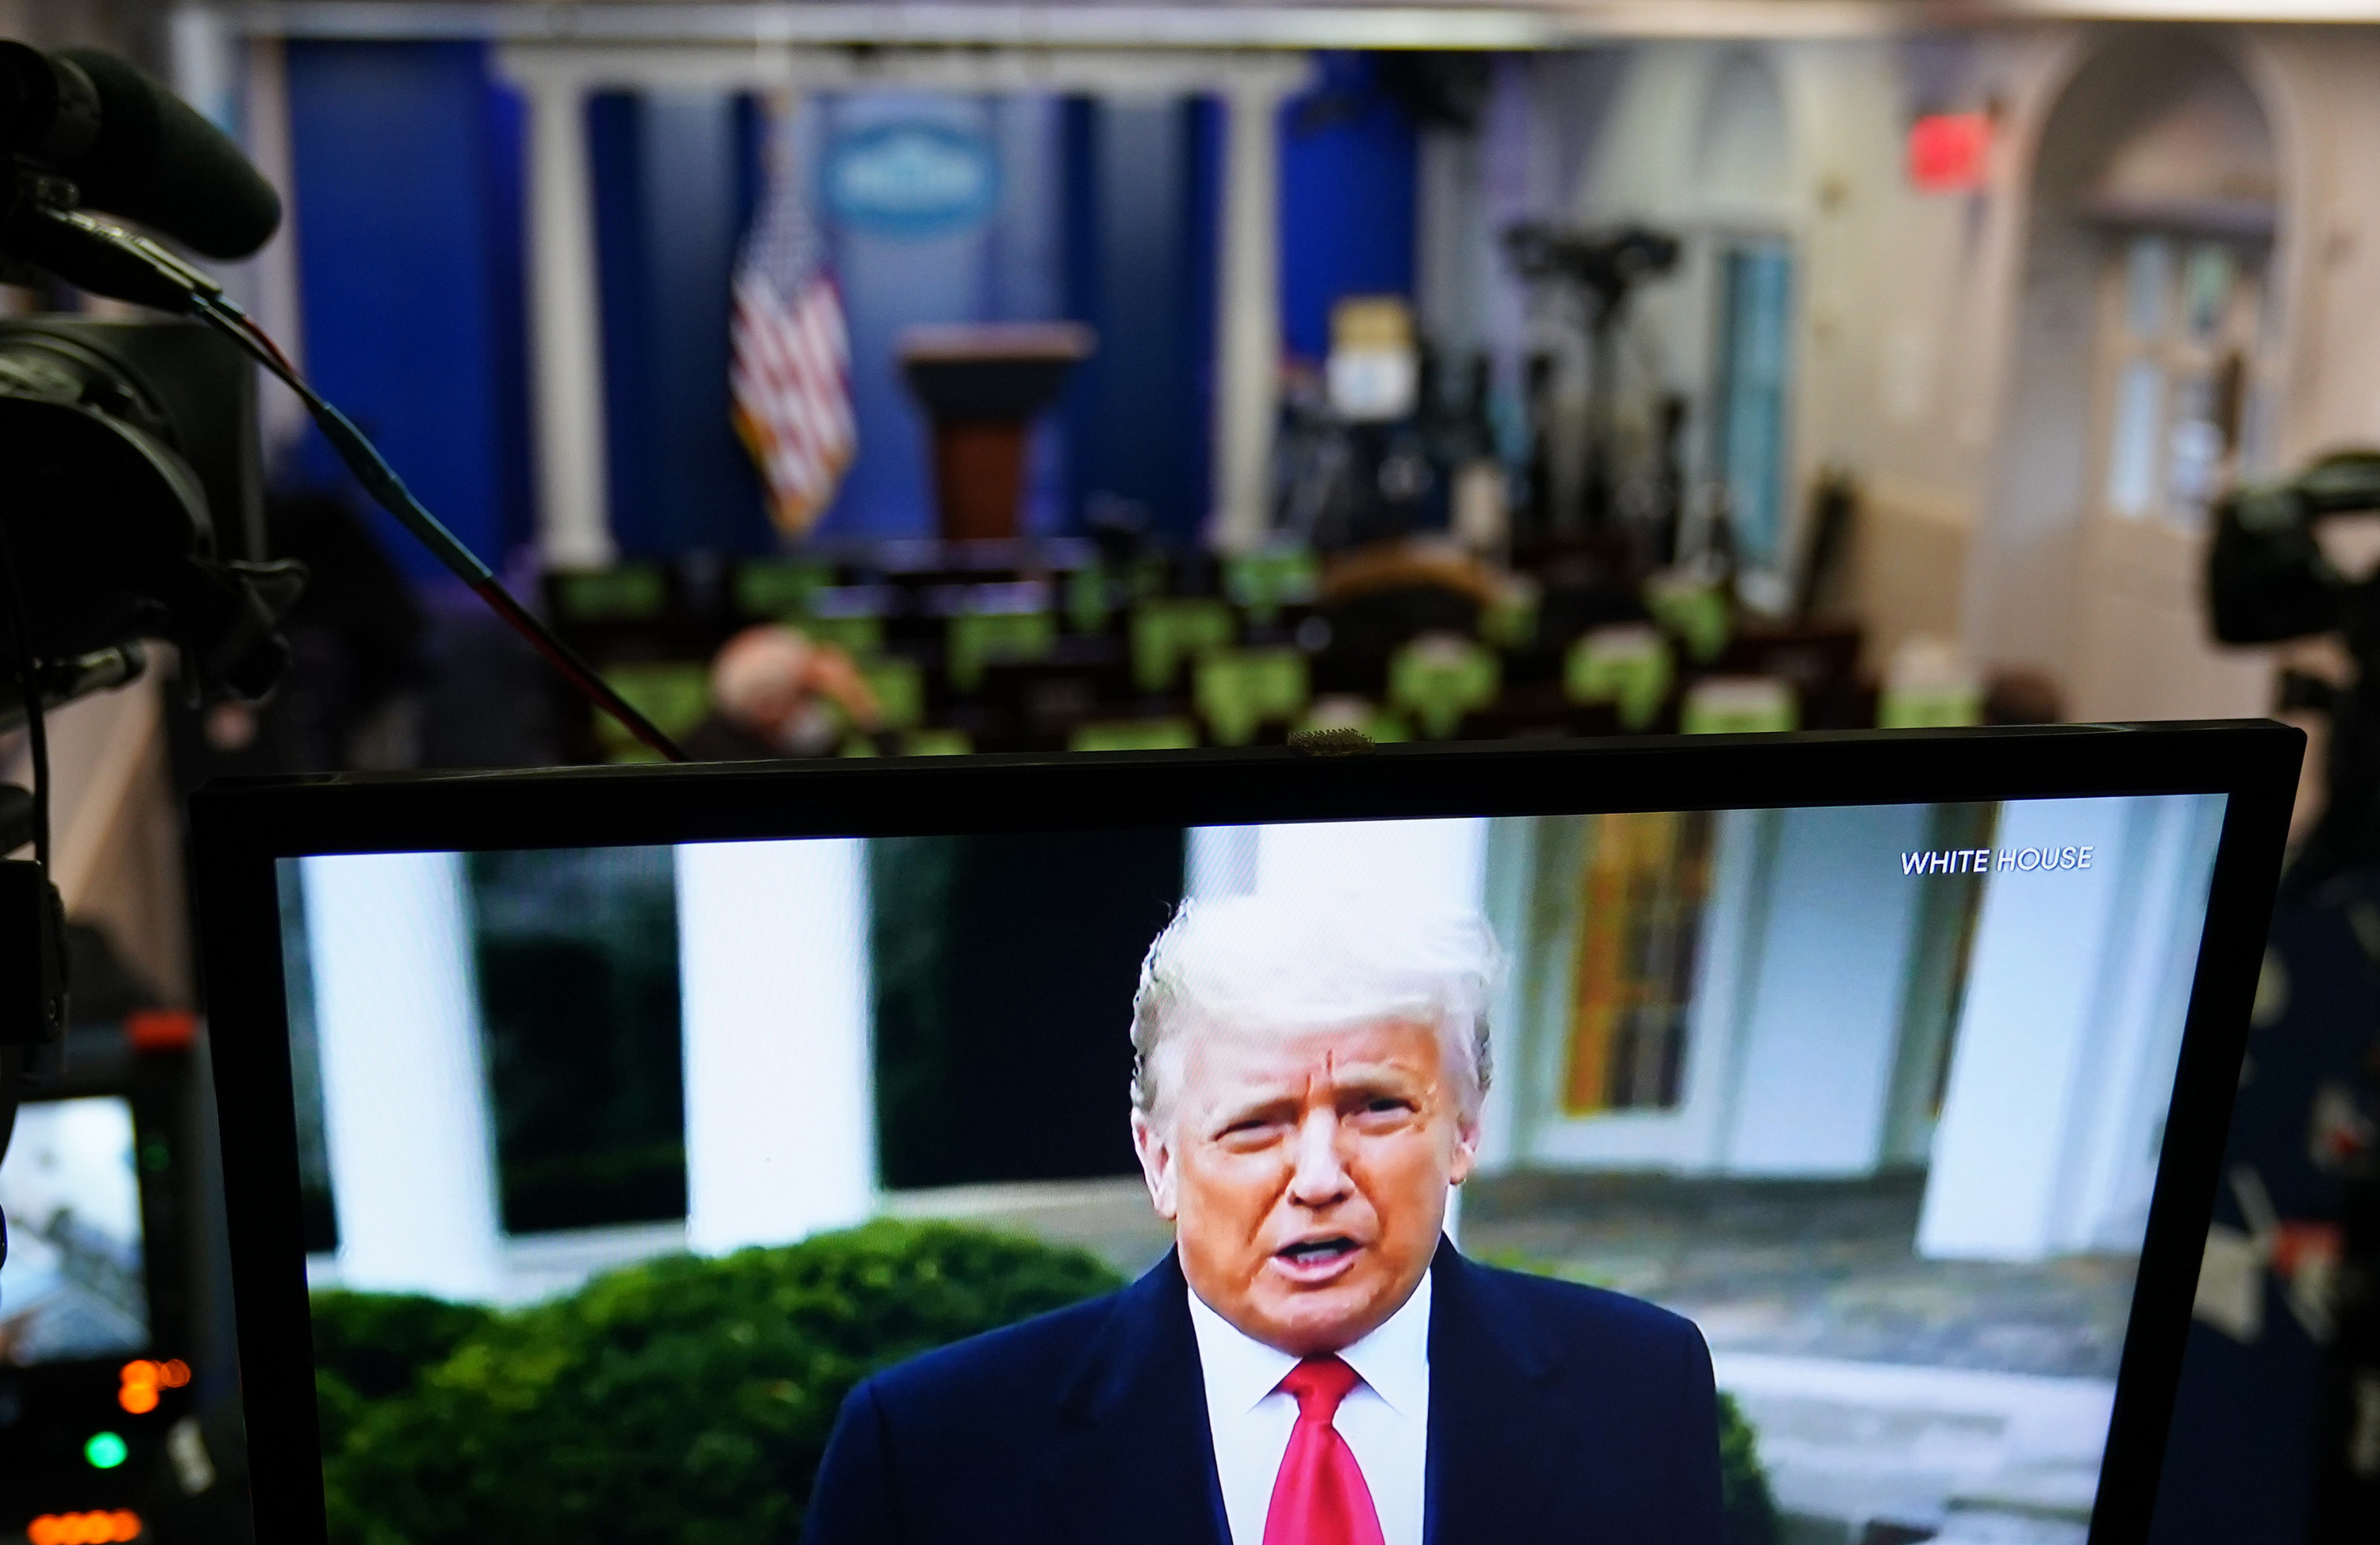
(241, 829)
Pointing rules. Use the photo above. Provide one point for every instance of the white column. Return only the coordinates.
(403, 1090)
(205, 73)
(2075, 997)
(573, 520)
(1247, 312)
(1822, 1019)
(779, 1116)
(1508, 885)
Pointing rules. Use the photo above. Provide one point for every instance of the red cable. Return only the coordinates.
(587, 684)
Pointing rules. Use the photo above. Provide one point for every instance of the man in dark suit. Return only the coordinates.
(1314, 1363)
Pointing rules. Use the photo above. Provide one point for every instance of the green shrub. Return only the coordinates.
(1750, 1507)
(684, 1400)
(681, 1401)
(374, 1347)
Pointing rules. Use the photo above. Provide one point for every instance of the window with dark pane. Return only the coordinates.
(1004, 968)
(577, 961)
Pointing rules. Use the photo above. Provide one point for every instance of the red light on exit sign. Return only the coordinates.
(1947, 151)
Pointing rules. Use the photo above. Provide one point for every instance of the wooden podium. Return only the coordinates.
(982, 385)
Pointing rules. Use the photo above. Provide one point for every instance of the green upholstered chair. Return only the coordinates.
(673, 693)
(1739, 705)
(1167, 633)
(1237, 691)
(1629, 667)
(1436, 678)
(977, 638)
(1134, 734)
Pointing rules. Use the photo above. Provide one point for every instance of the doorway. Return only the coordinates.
(2143, 383)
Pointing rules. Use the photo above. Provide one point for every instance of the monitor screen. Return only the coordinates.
(72, 1286)
(623, 1167)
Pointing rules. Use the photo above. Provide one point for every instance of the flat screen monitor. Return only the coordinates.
(1681, 1141)
(73, 1285)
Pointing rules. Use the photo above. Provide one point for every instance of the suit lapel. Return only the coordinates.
(1490, 1386)
(1135, 1458)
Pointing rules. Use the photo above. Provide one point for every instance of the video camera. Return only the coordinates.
(130, 493)
(130, 484)
(130, 490)
(1606, 264)
(2268, 580)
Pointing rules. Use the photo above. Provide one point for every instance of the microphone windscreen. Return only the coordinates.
(158, 161)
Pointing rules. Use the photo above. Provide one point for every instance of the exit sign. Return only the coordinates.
(1947, 151)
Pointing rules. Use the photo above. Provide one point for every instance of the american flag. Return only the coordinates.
(790, 373)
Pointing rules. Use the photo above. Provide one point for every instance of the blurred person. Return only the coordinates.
(1314, 1363)
(2019, 694)
(2344, 1503)
(775, 692)
(351, 698)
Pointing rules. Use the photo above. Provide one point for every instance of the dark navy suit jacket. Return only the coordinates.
(1555, 1413)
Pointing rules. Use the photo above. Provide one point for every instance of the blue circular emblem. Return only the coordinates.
(910, 179)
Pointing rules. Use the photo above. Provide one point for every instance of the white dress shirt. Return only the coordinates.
(1385, 1418)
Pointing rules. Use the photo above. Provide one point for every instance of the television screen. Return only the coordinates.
(650, 1183)
(72, 1285)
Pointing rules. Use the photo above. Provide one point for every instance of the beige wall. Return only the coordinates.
(1911, 367)
(1900, 293)
(2320, 87)
(2114, 613)
(135, 27)
(116, 834)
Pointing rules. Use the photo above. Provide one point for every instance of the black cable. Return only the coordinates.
(27, 672)
(389, 491)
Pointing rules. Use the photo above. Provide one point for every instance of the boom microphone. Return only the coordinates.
(132, 148)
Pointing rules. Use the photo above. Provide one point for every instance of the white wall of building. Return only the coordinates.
(1689, 1138)
(1822, 1018)
(2053, 1117)
(1900, 305)
(1795, 1024)
(1942, 340)
(1804, 1021)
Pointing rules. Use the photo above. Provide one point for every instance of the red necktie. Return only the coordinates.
(1320, 1497)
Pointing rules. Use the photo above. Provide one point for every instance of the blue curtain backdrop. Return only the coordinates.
(987, 256)
(409, 209)
(408, 165)
(1141, 218)
(1349, 166)
(676, 179)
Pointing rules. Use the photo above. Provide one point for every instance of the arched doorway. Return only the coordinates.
(2143, 383)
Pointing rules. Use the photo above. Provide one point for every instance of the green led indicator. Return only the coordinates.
(106, 1451)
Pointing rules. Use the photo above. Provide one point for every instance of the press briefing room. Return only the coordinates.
(1238, 772)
